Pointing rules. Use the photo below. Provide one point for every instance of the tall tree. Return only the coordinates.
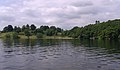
(10, 28)
(23, 28)
(5, 29)
(27, 26)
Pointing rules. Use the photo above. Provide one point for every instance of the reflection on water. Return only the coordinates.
(24, 54)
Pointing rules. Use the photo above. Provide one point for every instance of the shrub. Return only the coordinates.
(39, 35)
(27, 33)
(15, 35)
(7, 35)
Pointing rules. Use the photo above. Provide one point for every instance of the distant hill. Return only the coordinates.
(109, 29)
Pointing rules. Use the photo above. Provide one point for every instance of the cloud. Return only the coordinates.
(82, 3)
(7, 18)
(61, 13)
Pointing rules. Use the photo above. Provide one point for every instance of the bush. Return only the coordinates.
(15, 35)
(39, 35)
(21, 33)
(27, 33)
(7, 35)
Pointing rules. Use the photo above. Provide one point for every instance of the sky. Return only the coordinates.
(60, 13)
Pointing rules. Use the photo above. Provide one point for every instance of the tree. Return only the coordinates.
(44, 28)
(39, 31)
(17, 29)
(10, 28)
(15, 35)
(27, 33)
(27, 26)
(39, 35)
(97, 22)
(59, 29)
(33, 27)
(50, 32)
(53, 27)
(23, 28)
(7, 35)
(5, 29)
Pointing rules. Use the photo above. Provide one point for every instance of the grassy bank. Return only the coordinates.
(3, 35)
(45, 37)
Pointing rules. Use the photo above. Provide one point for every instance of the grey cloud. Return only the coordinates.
(7, 18)
(32, 13)
(66, 15)
(90, 10)
(63, 13)
(82, 3)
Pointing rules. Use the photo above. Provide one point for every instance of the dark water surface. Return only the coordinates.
(59, 54)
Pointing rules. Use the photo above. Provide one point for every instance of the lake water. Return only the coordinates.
(59, 54)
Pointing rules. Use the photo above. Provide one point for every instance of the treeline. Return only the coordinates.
(30, 30)
(103, 30)
(99, 30)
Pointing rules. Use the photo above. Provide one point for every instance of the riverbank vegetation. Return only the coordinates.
(32, 32)
(100, 30)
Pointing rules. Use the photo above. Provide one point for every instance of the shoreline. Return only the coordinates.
(34, 37)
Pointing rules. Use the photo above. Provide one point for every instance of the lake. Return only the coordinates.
(23, 54)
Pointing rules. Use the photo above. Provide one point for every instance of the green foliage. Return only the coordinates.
(7, 35)
(15, 35)
(33, 27)
(17, 29)
(8, 28)
(27, 26)
(109, 30)
(44, 28)
(21, 33)
(29, 30)
(102, 30)
(23, 28)
(75, 32)
(39, 35)
(59, 29)
(27, 33)
(51, 32)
